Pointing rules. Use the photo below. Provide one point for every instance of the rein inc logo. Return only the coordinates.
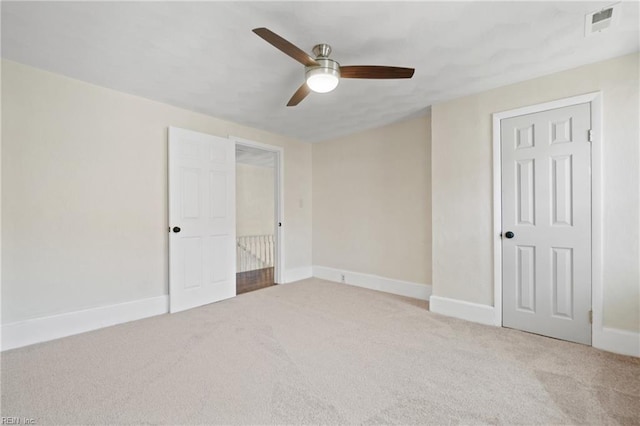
(17, 421)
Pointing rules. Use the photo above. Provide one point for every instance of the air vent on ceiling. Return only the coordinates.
(602, 19)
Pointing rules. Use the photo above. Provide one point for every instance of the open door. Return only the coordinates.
(202, 223)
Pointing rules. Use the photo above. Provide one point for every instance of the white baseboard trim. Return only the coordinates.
(608, 339)
(24, 333)
(297, 274)
(483, 314)
(618, 341)
(374, 282)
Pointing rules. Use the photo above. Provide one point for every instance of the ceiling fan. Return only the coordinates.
(323, 74)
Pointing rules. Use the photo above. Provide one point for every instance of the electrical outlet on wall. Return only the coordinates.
(342, 278)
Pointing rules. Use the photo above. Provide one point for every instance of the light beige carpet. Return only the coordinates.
(317, 352)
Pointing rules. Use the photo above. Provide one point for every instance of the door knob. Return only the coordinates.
(176, 229)
(509, 234)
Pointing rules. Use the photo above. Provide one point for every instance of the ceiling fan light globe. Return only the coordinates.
(323, 78)
(322, 83)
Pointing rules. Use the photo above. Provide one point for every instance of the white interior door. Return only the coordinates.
(202, 259)
(546, 223)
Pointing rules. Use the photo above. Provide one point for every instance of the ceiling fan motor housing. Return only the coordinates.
(324, 77)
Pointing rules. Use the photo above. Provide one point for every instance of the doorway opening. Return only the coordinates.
(257, 213)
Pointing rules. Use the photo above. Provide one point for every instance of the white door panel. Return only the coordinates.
(546, 202)
(202, 205)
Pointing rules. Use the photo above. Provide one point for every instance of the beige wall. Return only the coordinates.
(371, 202)
(84, 193)
(255, 197)
(462, 184)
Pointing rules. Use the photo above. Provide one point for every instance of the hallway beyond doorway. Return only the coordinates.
(254, 280)
(256, 202)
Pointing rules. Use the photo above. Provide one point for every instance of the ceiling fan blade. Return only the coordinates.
(300, 94)
(285, 46)
(375, 71)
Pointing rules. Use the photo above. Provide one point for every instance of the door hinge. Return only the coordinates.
(590, 317)
(590, 135)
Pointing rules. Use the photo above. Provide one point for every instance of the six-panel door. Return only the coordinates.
(201, 219)
(546, 203)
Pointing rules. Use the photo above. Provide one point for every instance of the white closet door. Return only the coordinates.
(546, 229)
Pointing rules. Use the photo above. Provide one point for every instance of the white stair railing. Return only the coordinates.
(254, 252)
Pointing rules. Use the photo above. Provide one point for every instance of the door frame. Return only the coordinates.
(279, 201)
(595, 99)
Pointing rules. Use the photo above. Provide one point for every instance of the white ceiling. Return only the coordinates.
(203, 56)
